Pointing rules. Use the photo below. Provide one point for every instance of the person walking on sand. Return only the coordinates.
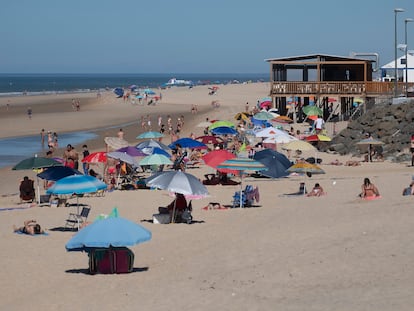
(29, 112)
(120, 134)
(85, 165)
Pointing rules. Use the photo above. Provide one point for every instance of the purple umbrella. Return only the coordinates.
(132, 151)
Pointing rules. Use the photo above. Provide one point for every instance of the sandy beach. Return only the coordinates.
(335, 252)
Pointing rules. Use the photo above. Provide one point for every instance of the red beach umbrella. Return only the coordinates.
(95, 157)
(209, 139)
(216, 157)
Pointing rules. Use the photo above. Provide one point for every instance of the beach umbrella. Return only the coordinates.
(149, 92)
(149, 135)
(266, 104)
(276, 163)
(263, 116)
(242, 165)
(147, 146)
(282, 119)
(118, 91)
(57, 172)
(220, 124)
(305, 168)
(370, 141)
(312, 110)
(279, 139)
(210, 139)
(242, 116)
(95, 157)
(75, 185)
(155, 159)
(270, 131)
(358, 100)
(108, 232)
(273, 112)
(299, 145)
(216, 157)
(187, 142)
(122, 156)
(178, 182)
(331, 100)
(116, 142)
(224, 130)
(132, 151)
(318, 137)
(156, 150)
(35, 162)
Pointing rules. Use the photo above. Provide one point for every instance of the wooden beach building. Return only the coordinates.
(321, 79)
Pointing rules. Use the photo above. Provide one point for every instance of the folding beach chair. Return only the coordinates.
(77, 219)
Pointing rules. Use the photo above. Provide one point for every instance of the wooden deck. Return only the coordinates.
(343, 89)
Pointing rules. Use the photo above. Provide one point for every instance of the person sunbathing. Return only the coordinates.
(369, 190)
(317, 191)
(30, 227)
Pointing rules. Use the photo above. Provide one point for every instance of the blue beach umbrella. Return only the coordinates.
(276, 163)
(58, 172)
(118, 91)
(76, 184)
(159, 151)
(143, 146)
(149, 92)
(224, 130)
(188, 143)
(109, 232)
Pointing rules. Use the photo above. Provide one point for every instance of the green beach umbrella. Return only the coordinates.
(263, 116)
(221, 124)
(155, 159)
(149, 135)
(35, 162)
(312, 111)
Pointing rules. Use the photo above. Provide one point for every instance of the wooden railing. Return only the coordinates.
(371, 88)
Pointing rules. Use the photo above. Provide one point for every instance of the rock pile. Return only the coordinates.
(391, 124)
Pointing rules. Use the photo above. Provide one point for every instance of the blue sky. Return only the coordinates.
(190, 36)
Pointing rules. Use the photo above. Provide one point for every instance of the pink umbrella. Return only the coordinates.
(266, 104)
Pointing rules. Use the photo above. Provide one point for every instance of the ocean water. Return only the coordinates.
(32, 84)
(13, 150)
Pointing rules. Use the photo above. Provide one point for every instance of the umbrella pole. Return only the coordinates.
(241, 189)
(38, 190)
(173, 213)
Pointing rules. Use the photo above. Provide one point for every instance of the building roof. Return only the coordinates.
(325, 57)
(391, 65)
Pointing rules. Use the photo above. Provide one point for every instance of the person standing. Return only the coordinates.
(42, 137)
(29, 112)
(412, 150)
(85, 165)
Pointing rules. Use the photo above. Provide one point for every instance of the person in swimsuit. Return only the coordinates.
(30, 227)
(369, 190)
(317, 191)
